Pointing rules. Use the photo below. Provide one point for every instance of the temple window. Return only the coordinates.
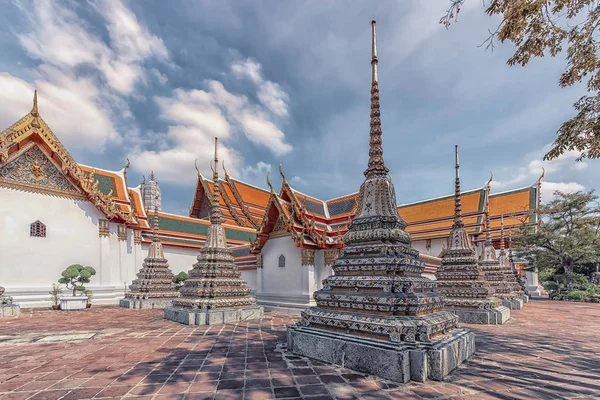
(281, 261)
(37, 229)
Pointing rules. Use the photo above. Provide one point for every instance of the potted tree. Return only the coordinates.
(73, 278)
(180, 278)
(90, 294)
(55, 296)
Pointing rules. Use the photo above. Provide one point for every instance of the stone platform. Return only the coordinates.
(399, 362)
(141, 304)
(497, 316)
(213, 317)
(513, 304)
(9, 310)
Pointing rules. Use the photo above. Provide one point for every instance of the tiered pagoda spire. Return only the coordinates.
(215, 282)
(494, 271)
(154, 286)
(377, 298)
(510, 277)
(460, 279)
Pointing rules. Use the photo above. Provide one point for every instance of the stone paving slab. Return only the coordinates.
(548, 350)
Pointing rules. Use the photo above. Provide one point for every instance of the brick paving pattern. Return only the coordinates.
(549, 350)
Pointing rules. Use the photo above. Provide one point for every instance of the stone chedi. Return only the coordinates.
(509, 270)
(377, 314)
(492, 269)
(461, 280)
(214, 293)
(154, 287)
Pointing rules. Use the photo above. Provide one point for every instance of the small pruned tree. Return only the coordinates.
(541, 27)
(180, 278)
(75, 276)
(568, 237)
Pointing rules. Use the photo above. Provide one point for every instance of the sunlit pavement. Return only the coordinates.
(548, 350)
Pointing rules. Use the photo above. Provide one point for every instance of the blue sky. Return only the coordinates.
(285, 82)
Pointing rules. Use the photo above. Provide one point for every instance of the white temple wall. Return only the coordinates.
(283, 288)
(321, 271)
(30, 265)
(434, 250)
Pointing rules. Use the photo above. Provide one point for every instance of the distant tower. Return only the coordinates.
(151, 193)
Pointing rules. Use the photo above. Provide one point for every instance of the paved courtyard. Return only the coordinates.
(549, 350)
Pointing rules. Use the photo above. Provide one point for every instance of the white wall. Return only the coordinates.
(30, 265)
(286, 280)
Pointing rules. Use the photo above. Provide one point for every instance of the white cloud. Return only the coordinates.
(77, 105)
(196, 117)
(269, 93)
(297, 180)
(548, 189)
(261, 169)
(59, 38)
(71, 106)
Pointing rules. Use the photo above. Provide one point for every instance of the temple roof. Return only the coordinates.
(30, 138)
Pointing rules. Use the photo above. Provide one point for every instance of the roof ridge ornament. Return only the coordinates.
(269, 183)
(34, 111)
(281, 173)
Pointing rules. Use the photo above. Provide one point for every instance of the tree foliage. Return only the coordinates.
(75, 276)
(568, 237)
(180, 278)
(540, 27)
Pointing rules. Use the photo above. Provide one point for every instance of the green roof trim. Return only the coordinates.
(105, 183)
(177, 225)
(450, 196)
(533, 204)
(481, 208)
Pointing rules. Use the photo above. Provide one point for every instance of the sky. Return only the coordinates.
(286, 82)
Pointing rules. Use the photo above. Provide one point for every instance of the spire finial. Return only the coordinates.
(216, 209)
(155, 222)
(457, 201)
(374, 51)
(488, 237)
(34, 110)
(502, 250)
(376, 165)
(152, 176)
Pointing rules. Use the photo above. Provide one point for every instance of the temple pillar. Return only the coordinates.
(259, 274)
(309, 283)
(532, 283)
(122, 240)
(104, 275)
(138, 252)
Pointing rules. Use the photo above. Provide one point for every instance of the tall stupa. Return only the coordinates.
(494, 272)
(154, 287)
(508, 268)
(378, 314)
(460, 278)
(215, 292)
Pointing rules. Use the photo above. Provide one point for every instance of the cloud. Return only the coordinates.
(60, 38)
(269, 93)
(548, 189)
(196, 117)
(71, 106)
(81, 79)
(261, 169)
(555, 171)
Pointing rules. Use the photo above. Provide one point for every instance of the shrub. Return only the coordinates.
(578, 295)
(75, 276)
(180, 278)
(55, 293)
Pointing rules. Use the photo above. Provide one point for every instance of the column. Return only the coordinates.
(308, 274)
(122, 240)
(104, 261)
(533, 285)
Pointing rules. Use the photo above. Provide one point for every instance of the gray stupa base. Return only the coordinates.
(497, 316)
(145, 303)
(9, 310)
(398, 362)
(213, 317)
(525, 298)
(513, 304)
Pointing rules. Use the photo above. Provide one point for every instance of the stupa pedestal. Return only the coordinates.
(154, 287)
(461, 280)
(7, 308)
(378, 314)
(215, 292)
